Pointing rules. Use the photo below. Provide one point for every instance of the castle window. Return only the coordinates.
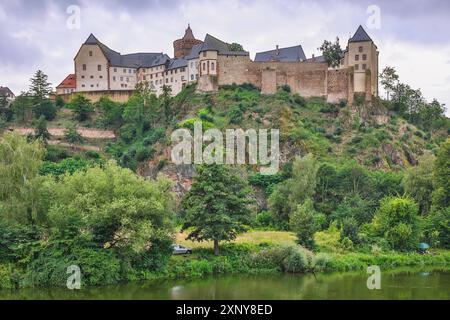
(151, 76)
(115, 69)
(360, 49)
(124, 70)
(121, 78)
(92, 77)
(204, 66)
(92, 85)
(129, 71)
(204, 53)
(84, 67)
(114, 78)
(167, 80)
(364, 66)
(357, 57)
(128, 79)
(183, 69)
(99, 67)
(364, 56)
(171, 79)
(83, 85)
(356, 66)
(90, 53)
(101, 77)
(212, 65)
(192, 77)
(82, 77)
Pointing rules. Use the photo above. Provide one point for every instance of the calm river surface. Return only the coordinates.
(394, 285)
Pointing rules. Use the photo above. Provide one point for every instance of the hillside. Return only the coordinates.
(368, 134)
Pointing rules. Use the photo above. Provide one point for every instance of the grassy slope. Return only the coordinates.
(331, 132)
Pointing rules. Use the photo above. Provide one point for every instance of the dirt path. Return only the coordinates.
(76, 146)
(85, 133)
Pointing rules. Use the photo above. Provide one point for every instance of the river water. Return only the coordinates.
(411, 284)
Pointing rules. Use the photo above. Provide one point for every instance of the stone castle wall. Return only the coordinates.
(306, 79)
(121, 96)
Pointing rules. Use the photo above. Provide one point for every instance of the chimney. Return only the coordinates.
(278, 51)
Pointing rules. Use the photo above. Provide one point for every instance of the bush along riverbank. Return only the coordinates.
(106, 269)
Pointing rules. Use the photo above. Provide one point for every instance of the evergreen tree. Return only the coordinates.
(40, 130)
(40, 88)
(216, 207)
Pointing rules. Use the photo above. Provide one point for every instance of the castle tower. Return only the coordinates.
(362, 55)
(183, 46)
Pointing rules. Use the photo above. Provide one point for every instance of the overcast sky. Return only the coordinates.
(413, 36)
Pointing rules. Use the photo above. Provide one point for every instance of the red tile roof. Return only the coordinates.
(69, 82)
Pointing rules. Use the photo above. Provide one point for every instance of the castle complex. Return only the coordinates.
(212, 63)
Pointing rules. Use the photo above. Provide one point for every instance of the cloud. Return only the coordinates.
(413, 35)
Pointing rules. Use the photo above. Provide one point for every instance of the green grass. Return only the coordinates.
(253, 237)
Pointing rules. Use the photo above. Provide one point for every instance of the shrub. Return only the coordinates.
(285, 88)
(303, 224)
(235, 115)
(398, 222)
(98, 266)
(46, 108)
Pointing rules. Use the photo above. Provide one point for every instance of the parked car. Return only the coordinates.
(179, 249)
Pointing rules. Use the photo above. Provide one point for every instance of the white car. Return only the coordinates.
(179, 249)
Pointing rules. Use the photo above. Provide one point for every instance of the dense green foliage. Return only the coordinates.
(111, 223)
(216, 205)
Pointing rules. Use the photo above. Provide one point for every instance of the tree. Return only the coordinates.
(40, 88)
(441, 179)
(40, 130)
(332, 52)
(302, 222)
(45, 108)
(418, 182)
(114, 208)
(430, 113)
(389, 80)
(21, 106)
(165, 99)
(236, 47)
(216, 206)
(296, 189)
(81, 107)
(59, 102)
(22, 190)
(398, 222)
(72, 136)
(111, 112)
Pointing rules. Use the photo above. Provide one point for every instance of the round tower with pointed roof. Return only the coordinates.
(183, 46)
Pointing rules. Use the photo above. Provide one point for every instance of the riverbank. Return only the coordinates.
(248, 259)
(262, 258)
